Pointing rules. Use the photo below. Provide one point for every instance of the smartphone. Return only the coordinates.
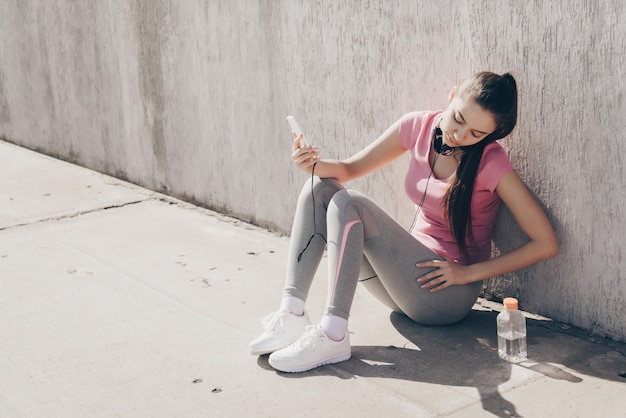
(295, 126)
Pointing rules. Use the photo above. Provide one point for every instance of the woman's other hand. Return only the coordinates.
(447, 273)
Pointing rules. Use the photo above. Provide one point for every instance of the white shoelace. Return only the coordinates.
(273, 322)
(307, 340)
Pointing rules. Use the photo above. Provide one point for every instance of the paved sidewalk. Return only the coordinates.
(119, 302)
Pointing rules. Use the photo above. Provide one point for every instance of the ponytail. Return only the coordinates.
(496, 94)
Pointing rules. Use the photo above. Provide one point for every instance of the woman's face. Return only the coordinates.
(465, 122)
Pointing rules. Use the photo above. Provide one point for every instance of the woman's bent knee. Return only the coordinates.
(324, 188)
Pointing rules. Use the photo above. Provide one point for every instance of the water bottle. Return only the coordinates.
(511, 332)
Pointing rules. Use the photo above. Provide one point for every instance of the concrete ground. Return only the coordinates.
(119, 302)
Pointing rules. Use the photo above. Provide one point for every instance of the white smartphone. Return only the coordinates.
(295, 126)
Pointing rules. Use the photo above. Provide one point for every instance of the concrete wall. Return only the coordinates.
(190, 98)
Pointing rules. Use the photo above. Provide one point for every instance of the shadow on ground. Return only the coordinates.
(465, 354)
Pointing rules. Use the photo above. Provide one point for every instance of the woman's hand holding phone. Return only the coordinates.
(304, 155)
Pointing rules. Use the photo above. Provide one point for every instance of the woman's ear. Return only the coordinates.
(452, 94)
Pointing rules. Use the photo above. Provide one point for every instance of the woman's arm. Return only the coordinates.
(382, 151)
(532, 220)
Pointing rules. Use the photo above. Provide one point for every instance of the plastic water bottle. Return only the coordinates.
(511, 332)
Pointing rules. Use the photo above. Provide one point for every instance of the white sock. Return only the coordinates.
(292, 304)
(335, 327)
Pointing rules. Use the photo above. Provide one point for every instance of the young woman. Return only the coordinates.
(457, 177)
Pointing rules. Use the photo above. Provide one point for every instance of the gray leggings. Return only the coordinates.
(365, 244)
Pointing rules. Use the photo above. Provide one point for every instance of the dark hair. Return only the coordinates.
(496, 94)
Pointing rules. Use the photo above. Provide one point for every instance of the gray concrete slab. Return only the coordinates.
(143, 306)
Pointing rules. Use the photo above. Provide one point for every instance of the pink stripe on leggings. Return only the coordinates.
(342, 248)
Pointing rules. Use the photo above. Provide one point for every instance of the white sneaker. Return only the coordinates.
(313, 349)
(281, 329)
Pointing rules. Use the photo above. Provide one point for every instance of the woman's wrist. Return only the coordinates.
(474, 273)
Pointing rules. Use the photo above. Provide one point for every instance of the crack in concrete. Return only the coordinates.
(73, 214)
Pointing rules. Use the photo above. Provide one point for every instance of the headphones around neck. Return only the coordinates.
(440, 147)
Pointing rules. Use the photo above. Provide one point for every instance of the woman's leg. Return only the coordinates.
(392, 252)
(355, 225)
(306, 248)
(370, 280)
(308, 236)
(329, 341)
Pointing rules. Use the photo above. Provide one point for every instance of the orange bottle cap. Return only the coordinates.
(510, 304)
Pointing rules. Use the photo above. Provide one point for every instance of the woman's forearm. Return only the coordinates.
(335, 169)
(379, 153)
(523, 256)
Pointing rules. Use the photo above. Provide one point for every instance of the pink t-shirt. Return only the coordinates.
(431, 227)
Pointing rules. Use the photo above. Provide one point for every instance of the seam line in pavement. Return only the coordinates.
(73, 214)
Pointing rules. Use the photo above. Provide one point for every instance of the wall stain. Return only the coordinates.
(5, 110)
(149, 18)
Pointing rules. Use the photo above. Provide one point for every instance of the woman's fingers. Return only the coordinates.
(296, 140)
(304, 158)
(299, 142)
(438, 264)
(428, 281)
(434, 280)
(447, 273)
(304, 154)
